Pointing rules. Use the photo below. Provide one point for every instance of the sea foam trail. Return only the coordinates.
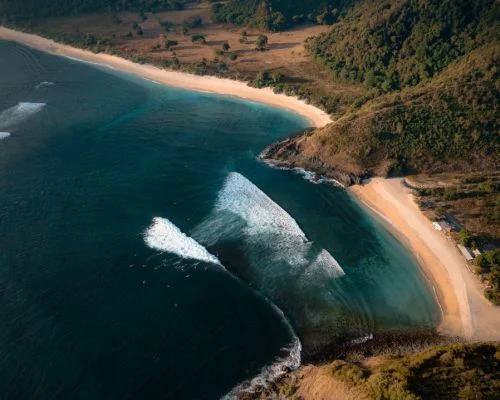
(165, 236)
(4, 135)
(18, 113)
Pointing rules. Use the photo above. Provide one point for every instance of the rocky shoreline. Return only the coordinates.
(286, 155)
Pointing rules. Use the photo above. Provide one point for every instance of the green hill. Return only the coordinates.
(446, 114)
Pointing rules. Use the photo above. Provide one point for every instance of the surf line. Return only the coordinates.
(165, 236)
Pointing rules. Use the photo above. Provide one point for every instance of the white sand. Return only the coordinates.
(466, 312)
(210, 84)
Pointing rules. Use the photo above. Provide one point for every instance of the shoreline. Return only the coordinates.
(210, 84)
(466, 313)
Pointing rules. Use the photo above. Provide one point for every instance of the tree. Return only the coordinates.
(261, 42)
(225, 46)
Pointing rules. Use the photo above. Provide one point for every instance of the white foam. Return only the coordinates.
(276, 370)
(4, 135)
(19, 113)
(242, 197)
(165, 236)
(44, 84)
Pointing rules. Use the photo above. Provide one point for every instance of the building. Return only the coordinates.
(466, 252)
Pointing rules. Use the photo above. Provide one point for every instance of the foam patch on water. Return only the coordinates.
(4, 135)
(18, 113)
(165, 236)
(44, 84)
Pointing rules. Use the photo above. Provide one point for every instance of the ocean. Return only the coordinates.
(146, 253)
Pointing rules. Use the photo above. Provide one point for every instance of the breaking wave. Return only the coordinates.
(243, 198)
(4, 135)
(245, 212)
(18, 113)
(164, 236)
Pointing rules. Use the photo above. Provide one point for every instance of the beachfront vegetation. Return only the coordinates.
(488, 266)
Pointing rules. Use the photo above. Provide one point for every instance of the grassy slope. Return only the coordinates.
(449, 372)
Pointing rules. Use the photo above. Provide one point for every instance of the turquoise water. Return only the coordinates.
(102, 297)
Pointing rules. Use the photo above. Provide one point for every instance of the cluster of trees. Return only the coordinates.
(17, 10)
(394, 44)
(488, 265)
(276, 15)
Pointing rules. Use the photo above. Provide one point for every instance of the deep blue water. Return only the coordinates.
(90, 311)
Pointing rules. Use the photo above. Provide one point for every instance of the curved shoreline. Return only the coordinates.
(466, 312)
(211, 84)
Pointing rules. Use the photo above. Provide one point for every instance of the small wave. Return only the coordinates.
(310, 176)
(165, 236)
(19, 113)
(269, 373)
(44, 84)
(4, 135)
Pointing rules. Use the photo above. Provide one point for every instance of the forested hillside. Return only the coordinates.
(450, 123)
(277, 15)
(393, 44)
(25, 9)
(432, 78)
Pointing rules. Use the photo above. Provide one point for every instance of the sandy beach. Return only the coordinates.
(466, 312)
(210, 84)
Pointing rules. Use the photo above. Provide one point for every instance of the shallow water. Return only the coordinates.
(99, 300)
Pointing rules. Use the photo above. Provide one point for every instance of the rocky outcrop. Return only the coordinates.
(287, 154)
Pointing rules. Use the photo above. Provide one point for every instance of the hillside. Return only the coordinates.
(432, 103)
(445, 372)
(19, 10)
(449, 123)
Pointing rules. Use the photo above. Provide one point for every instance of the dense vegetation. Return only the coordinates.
(393, 44)
(277, 15)
(14, 10)
(488, 266)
